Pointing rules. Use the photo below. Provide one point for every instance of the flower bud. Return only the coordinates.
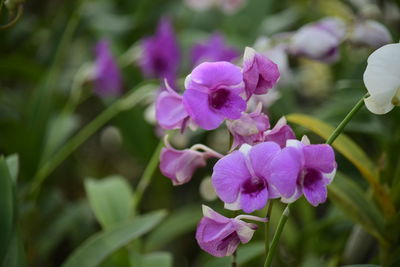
(259, 73)
(108, 80)
(179, 165)
(249, 128)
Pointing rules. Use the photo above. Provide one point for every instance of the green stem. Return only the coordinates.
(20, 11)
(277, 235)
(130, 100)
(346, 120)
(148, 174)
(267, 228)
(1, 5)
(234, 259)
(285, 213)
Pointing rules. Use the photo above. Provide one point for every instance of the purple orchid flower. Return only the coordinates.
(220, 236)
(161, 54)
(213, 94)
(280, 133)
(248, 177)
(170, 112)
(259, 73)
(319, 41)
(180, 165)
(316, 171)
(249, 128)
(108, 80)
(213, 50)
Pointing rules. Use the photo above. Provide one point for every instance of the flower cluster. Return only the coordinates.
(269, 164)
(216, 91)
(321, 40)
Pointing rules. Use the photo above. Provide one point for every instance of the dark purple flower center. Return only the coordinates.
(219, 98)
(160, 65)
(311, 178)
(233, 237)
(253, 186)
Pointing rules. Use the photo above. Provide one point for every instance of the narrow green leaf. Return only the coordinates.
(110, 198)
(60, 127)
(157, 259)
(13, 166)
(353, 153)
(349, 197)
(15, 256)
(6, 207)
(101, 245)
(178, 223)
(61, 226)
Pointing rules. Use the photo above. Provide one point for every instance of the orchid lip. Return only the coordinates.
(219, 98)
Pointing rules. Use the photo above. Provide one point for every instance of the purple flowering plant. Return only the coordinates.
(247, 154)
(262, 165)
(265, 163)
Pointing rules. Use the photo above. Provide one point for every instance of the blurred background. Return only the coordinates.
(48, 97)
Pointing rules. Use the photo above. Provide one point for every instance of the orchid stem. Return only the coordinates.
(234, 259)
(267, 226)
(285, 214)
(20, 11)
(148, 174)
(277, 236)
(346, 120)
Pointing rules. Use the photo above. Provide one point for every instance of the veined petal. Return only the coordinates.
(233, 107)
(197, 106)
(253, 201)
(212, 214)
(170, 111)
(380, 103)
(314, 188)
(244, 230)
(214, 74)
(284, 170)
(261, 155)
(319, 157)
(228, 175)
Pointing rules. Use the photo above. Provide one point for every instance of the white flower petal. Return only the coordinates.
(382, 78)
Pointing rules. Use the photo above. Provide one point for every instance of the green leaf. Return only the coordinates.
(353, 153)
(101, 245)
(7, 207)
(13, 166)
(110, 198)
(348, 196)
(59, 129)
(15, 256)
(157, 259)
(361, 265)
(178, 223)
(61, 226)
